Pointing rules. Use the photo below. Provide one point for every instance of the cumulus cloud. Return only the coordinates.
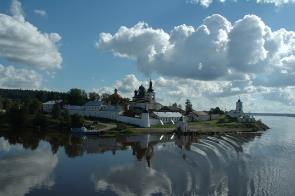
(40, 12)
(215, 50)
(169, 90)
(21, 42)
(207, 3)
(216, 61)
(207, 94)
(11, 77)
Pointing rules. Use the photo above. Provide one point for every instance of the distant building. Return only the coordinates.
(246, 118)
(238, 112)
(142, 111)
(201, 116)
(240, 115)
(145, 99)
(48, 106)
(167, 117)
(93, 105)
(181, 125)
(198, 116)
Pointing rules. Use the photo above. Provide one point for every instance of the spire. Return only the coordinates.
(151, 86)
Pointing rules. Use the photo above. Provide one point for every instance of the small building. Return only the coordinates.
(246, 118)
(95, 105)
(48, 106)
(198, 116)
(167, 117)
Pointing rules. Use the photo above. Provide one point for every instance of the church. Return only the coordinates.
(238, 112)
(145, 99)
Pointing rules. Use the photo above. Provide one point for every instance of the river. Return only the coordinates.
(58, 164)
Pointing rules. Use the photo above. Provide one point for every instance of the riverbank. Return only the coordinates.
(219, 126)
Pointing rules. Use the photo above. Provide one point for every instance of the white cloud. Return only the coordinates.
(40, 12)
(11, 77)
(21, 42)
(282, 95)
(16, 10)
(207, 94)
(276, 2)
(204, 3)
(215, 50)
(20, 173)
(207, 3)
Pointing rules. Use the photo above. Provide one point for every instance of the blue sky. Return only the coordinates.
(79, 24)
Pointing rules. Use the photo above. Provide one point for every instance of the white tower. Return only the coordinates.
(239, 106)
(181, 125)
(145, 119)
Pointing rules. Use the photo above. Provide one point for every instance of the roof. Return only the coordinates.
(171, 109)
(52, 102)
(93, 103)
(168, 114)
(200, 113)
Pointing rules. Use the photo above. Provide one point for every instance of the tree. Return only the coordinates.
(77, 121)
(7, 104)
(66, 122)
(174, 105)
(179, 106)
(188, 107)
(105, 97)
(216, 110)
(17, 117)
(77, 97)
(1, 102)
(34, 106)
(56, 111)
(41, 121)
(93, 96)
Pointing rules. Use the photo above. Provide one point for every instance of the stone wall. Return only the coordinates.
(141, 122)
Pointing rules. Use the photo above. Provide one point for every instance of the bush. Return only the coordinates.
(77, 121)
(17, 117)
(41, 121)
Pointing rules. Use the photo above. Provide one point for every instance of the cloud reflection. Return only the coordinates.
(22, 172)
(211, 166)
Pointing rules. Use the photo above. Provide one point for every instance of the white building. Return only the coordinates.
(240, 115)
(143, 101)
(48, 106)
(238, 112)
(167, 117)
(181, 125)
(93, 105)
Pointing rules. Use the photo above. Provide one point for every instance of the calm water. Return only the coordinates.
(54, 164)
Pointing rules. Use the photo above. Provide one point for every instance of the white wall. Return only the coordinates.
(116, 116)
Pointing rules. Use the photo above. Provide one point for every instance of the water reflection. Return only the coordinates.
(201, 166)
(250, 164)
(19, 173)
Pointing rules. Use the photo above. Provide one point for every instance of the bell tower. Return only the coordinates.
(239, 106)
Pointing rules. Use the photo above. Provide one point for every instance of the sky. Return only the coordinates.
(209, 51)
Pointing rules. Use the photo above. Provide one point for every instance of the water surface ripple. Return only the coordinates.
(235, 164)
